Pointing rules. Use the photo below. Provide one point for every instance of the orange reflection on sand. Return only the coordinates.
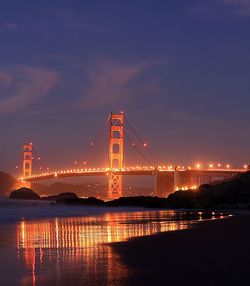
(68, 243)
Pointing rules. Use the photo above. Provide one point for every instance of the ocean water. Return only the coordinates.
(43, 245)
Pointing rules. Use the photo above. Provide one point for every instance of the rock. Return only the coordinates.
(140, 201)
(91, 201)
(231, 193)
(183, 199)
(61, 196)
(24, 194)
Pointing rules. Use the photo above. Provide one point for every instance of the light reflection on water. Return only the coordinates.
(74, 251)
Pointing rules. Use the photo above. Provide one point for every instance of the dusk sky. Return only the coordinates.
(180, 70)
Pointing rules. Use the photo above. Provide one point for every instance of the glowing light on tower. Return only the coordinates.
(115, 155)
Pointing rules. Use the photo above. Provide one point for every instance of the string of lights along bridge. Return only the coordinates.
(167, 178)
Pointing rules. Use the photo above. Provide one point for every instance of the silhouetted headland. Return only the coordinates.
(231, 193)
(228, 194)
(24, 194)
(62, 196)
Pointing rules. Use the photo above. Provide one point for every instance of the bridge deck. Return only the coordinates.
(130, 172)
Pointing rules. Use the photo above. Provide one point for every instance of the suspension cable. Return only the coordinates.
(145, 145)
(96, 138)
(132, 143)
(41, 163)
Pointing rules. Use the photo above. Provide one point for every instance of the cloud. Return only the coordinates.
(231, 7)
(23, 86)
(171, 112)
(5, 79)
(9, 26)
(49, 21)
(238, 7)
(235, 3)
(111, 83)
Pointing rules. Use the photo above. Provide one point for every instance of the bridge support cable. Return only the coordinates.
(117, 134)
(38, 160)
(31, 159)
(132, 143)
(137, 149)
(93, 142)
(142, 143)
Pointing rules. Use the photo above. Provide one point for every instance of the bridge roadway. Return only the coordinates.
(130, 171)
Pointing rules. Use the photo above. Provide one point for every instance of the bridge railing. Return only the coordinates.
(135, 169)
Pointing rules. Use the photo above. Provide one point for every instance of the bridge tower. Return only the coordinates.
(27, 162)
(116, 154)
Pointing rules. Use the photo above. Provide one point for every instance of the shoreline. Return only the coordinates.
(16, 210)
(13, 211)
(213, 252)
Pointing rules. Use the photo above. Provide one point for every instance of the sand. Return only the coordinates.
(211, 253)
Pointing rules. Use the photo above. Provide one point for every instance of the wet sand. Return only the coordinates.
(214, 252)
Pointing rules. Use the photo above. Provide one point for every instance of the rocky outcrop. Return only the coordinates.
(24, 194)
(148, 202)
(233, 193)
(141, 201)
(61, 196)
(83, 202)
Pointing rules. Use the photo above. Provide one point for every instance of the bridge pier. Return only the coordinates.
(170, 181)
(27, 164)
(163, 183)
(115, 155)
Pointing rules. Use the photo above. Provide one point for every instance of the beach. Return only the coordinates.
(51, 245)
(215, 252)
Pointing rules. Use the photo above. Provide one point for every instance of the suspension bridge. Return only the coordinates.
(167, 178)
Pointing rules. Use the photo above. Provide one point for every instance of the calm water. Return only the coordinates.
(76, 250)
